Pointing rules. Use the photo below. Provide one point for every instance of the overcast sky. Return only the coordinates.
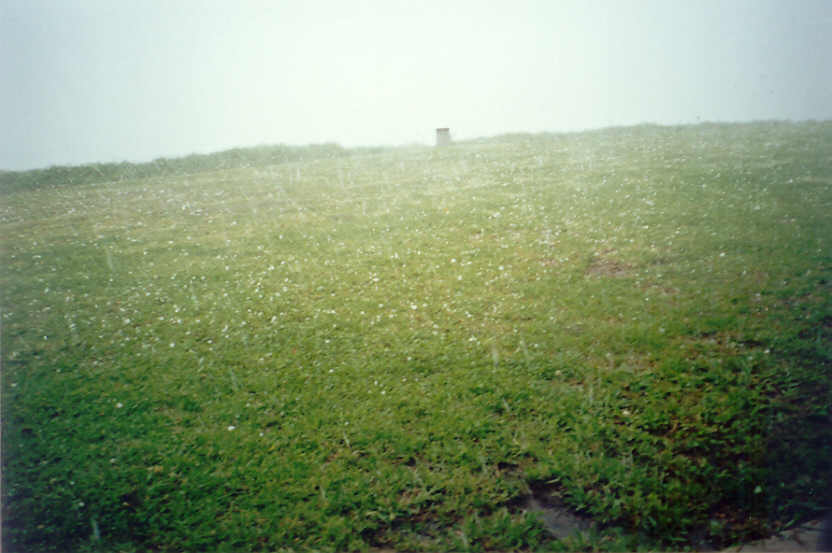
(84, 80)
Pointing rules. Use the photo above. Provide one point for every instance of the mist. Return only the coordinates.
(95, 81)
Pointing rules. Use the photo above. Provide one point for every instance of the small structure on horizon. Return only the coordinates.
(443, 136)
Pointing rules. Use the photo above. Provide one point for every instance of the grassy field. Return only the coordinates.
(391, 348)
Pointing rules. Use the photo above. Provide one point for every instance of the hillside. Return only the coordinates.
(402, 348)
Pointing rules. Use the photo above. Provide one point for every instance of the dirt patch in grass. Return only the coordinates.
(604, 265)
(560, 521)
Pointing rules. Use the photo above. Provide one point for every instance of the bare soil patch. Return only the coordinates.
(604, 265)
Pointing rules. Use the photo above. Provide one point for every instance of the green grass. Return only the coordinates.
(387, 348)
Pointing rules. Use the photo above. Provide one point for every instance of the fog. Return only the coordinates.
(100, 81)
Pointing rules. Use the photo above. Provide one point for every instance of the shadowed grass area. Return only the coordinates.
(388, 348)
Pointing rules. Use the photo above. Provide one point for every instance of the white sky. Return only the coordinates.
(111, 80)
